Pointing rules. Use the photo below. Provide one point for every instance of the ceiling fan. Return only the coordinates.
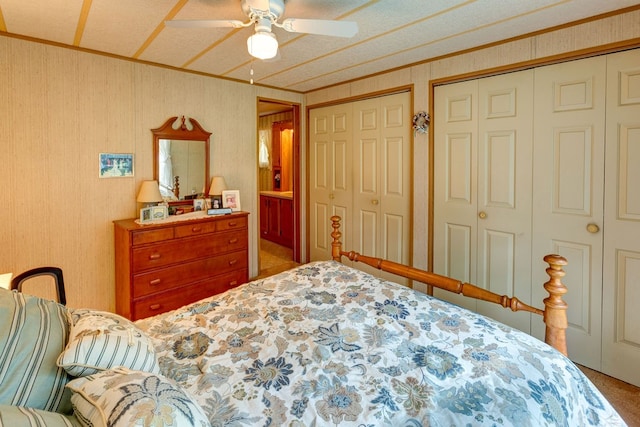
(264, 14)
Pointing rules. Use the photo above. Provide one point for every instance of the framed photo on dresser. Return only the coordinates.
(231, 199)
(159, 212)
(216, 202)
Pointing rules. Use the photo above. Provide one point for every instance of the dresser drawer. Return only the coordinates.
(154, 256)
(151, 236)
(182, 274)
(231, 223)
(195, 229)
(176, 298)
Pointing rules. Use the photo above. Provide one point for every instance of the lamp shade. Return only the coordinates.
(149, 192)
(262, 45)
(217, 186)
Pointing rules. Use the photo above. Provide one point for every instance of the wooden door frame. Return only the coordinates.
(295, 119)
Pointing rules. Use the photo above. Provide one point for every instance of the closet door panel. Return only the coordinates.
(455, 213)
(568, 193)
(621, 284)
(505, 106)
(321, 212)
(572, 188)
(368, 232)
(320, 185)
(578, 279)
(395, 161)
(395, 176)
(329, 177)
(382, 171)
(393, 242)
(366, 173)
(458, 247)
(628, 161)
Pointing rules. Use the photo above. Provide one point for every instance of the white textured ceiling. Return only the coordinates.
(392, 33)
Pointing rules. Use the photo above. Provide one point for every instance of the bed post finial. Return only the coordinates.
(336, 244)
(555, 313)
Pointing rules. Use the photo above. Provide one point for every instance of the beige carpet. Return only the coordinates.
(274, 258)
(624, 397)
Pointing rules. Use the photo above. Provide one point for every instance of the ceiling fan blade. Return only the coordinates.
(205, 23)
(321, 27)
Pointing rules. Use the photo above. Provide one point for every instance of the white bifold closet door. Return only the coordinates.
(482, 200)
(621, 284)
(547, 161)
(360, 168)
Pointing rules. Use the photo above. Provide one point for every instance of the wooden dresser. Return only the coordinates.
(161, 267)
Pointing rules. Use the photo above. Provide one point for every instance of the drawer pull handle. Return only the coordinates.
(196, 229)
(154, 307)
(232, 284)
(154, 256)
(233, 240)
(232, 223)
(233, 261)
(154, 282)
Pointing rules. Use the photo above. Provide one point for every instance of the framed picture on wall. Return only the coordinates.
(115, 165)
(231, 199)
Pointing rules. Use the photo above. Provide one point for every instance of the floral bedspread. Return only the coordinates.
(325, 344)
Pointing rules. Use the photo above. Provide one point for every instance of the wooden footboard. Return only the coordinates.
(554, 314)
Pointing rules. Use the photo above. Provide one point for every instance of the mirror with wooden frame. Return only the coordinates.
(181, 159)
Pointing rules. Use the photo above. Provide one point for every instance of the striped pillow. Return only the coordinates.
(28, 417)
(34, 333)
(100, 340)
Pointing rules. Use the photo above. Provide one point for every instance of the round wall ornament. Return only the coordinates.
(421, 122)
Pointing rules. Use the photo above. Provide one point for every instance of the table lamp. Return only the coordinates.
(149, 193)
(218, 185)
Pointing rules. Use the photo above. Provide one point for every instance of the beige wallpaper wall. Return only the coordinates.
(60, 109)
(615, 31)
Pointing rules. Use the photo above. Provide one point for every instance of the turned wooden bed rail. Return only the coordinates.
(554, 315)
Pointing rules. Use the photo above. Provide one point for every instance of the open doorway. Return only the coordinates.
(279, 185)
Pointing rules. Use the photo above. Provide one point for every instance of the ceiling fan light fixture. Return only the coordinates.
(262, 45)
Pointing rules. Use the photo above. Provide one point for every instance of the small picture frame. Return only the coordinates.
(216, 202)
(159, 212)
(198, 205)
(231, 199)
(116, 165)
(145, 215)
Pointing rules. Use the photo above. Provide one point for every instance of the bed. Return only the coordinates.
(328, 344)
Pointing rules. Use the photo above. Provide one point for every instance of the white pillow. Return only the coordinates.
(123, 398)
(100, 340)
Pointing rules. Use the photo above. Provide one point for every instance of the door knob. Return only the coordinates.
(374, 202)
(332, 196)
(482, 215)
(593, 228)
